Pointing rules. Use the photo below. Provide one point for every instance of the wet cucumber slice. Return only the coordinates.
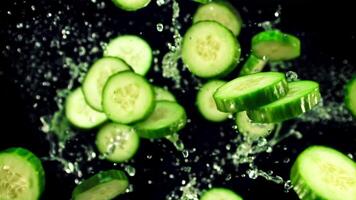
(103, 186)
(97, 76)
(167, 118)
(251, 91)
(251, 129)
(79, 113)
(350, 97)
(210, 50)
(131, 5)
(21, 175)
(163, 94)
(275, 45)
(127, 98)
(135, 51)
(252, 65)
(117, 142)
(220, 11)
(324, 173)
(302, 96)
(220, 193)
(206, 104)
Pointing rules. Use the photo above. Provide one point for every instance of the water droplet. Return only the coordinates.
(185, 153)
(159, 27)
(291, 76)
(131, 171)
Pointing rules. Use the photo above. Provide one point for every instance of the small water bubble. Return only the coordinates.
(149, 156)
(19, 25)
(149, 182)
(159, 27)
(33, 8)
(287, 186)
(291, 76)
(252, 173)
(185, 153)
(131, 171)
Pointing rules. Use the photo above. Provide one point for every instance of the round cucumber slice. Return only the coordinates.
(133, 50)
(324, 173)
(210, 50)
(117, 142)
(163, 94)
(79, 113)
(251, 129)
(21, 175)
(166, 119)
(222, 12)
(103, 186)
(252, 65)
(97, 76)
(127, 98)
(275, 46)
(350, 97)
(131, 5)
(302, 96)
(251, 91)
(220, 193)
(206, 104)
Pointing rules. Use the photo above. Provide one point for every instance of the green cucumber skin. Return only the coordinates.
(35, 162)
(279, 114)
(348, 93)
(253, 100)
(126, 8)
(249, 66)
(101, 177)
(203, 1)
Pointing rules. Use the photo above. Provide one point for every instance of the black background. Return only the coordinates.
(328, 38)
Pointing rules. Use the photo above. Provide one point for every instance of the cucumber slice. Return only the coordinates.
(302, 96)
(131, 5)
(96, 78)
(251, 129)
(206, 104)
(210, 50)
(350, 97)
(166, 119)
(21, 175)
(117, 142)
(127, 98)
(222, 12)
(324, 173)
(133, 50)
(220, 193)
(103, 186)
(252, 65)
(163, 94)
(203, 1)
(275, 46)
(79, 113)
(251, 91)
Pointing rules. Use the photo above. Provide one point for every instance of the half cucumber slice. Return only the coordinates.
(220, 193)
(250, 129)
(302, 96)
(251, 91)
(252, 65)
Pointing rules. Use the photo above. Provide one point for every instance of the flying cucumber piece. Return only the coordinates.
(117, 142)
(275, 45)
(251, 91)
(203, 1)
(210, 50)
(97, 76)
(134, 50)
(302, 96)
(79, 113)
(105, 185)
(220, 11)
(253, 65)
(21, 175)
(166, 119)
(350, 97)
(251, 129)
(128, 97)
(321, 172)
(220, 193)
(163, 94)
(131, 5)
(206, 104)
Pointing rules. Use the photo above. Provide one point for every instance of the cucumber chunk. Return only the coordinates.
(210, 50)
(324, 173)
(131, 5)
(163, 94)
(135, 51)
(117, 142)
(350, 97)
(252, 65)
(103, 186)
(21, 175)
(251, 91)
(127, 98)
(79, 113)
(250, 129)
(302, 96)
(220, 193)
